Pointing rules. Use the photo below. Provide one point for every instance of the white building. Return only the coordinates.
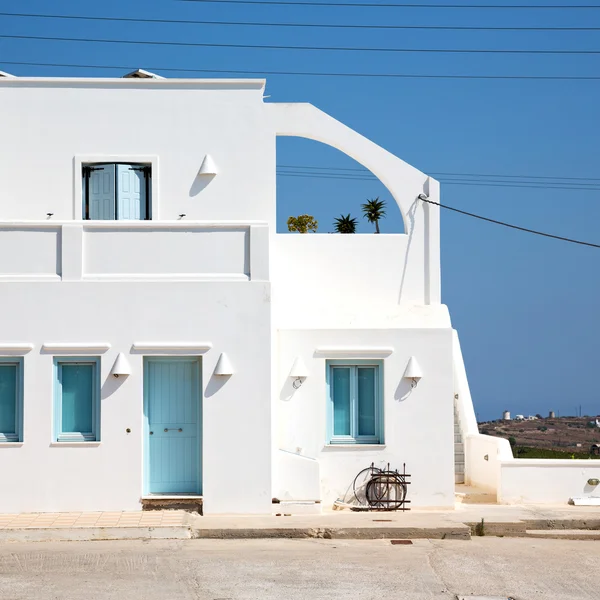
(158, 337)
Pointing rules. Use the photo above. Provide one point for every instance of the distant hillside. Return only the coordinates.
(560, 433)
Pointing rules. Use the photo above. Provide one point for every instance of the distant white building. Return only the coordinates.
(506, 415)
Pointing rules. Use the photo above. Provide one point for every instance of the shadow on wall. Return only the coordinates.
(200, 183)
(288, 390)
(403, 391)
(410, 226)
(111, 385)
(215, 383)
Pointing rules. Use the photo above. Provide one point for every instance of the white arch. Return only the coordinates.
(404, 182)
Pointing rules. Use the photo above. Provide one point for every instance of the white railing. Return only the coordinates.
(133, 250)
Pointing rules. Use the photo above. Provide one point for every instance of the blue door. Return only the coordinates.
(173, 409)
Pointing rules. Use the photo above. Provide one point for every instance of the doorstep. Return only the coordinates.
(187, 502)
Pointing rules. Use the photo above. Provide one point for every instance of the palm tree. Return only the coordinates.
(345, 224)
(373, 210)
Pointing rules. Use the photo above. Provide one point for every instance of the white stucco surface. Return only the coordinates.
(41, 476)
(209, 275)
(418, 423)
(545, 481)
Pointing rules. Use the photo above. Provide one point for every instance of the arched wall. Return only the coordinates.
(404, 182)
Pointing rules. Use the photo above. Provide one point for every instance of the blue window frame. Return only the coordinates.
(11, 399)
(77, 399)
(355, 402)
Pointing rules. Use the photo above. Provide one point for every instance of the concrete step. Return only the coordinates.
(564, 534)
(296, 507)
(457, 439)
(459, 477)
(187, 502)
(471, 495)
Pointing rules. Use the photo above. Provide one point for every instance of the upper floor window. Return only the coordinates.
(116, 191)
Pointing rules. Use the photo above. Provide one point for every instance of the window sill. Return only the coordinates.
(11, 444)
(329, 447)
(74, 444)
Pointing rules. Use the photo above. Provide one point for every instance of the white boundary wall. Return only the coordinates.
(490, 465)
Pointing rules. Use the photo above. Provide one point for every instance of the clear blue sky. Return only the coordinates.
(526, 307)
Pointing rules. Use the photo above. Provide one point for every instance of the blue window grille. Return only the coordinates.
(355, 402)
(77, 399)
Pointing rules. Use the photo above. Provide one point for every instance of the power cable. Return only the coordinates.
(404, 5)
(468, 183)
(365, 170)
(311, 73)
(315, 25)
(281, 47)
(510, 225)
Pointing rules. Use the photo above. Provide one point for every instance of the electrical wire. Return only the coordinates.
(526, 185)
(403, 5)
(311, 48)
(311, 73)
(510, 225)
(303, 25)
(364, 170)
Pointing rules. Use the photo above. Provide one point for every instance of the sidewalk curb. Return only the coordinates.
(452, 532)
(88, 534)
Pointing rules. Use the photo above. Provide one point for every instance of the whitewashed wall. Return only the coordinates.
(234, 317)
(418, 424)
(55, 123)
(541, 481)
(206, 277)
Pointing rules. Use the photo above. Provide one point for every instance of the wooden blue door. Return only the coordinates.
(172, 392)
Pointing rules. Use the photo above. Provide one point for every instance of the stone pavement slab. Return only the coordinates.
(568, 522)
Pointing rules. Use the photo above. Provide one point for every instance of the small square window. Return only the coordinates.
(355, 402)
(116, 191)
(77, 400)
(11, 400)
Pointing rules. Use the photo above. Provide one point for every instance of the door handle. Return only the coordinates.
(173, 429)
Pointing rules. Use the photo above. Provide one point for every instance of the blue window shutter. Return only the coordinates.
(131, 192)
(8, 401)
(77, 398)
(101, 198)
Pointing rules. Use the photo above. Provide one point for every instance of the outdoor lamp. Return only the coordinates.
(121, 368)
(224, 367)
(413, 372)
(298, 373)
(208, 166)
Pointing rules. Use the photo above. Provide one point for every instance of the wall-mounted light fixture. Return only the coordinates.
(298, 373)
(208, 166)
(224, 367)
(413, 372)
(121, 368)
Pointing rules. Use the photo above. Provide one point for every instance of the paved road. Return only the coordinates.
(300, 570)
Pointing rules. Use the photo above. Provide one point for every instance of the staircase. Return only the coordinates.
(459, 452)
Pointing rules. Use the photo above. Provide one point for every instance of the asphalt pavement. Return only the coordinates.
(300, 569)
